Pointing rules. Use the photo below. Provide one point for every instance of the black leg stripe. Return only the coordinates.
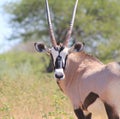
(111, 112)
(79, 113)
(89, 100)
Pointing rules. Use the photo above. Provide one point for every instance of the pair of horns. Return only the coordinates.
(68, 35)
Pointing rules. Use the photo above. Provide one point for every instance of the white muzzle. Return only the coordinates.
(59, 74)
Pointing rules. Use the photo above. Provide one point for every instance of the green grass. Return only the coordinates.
(27, 91)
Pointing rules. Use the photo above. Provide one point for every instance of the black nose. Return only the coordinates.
(60, 76)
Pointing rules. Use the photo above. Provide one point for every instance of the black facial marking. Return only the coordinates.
(61, 49)
(58, 63)
(56, 48)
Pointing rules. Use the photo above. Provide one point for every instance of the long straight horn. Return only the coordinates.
(52, 36)
(71, 25)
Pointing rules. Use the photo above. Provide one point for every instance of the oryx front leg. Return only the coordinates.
(79, 113)
(111, 113)
(82, 114)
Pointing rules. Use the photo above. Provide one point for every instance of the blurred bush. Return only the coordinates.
(15, 64)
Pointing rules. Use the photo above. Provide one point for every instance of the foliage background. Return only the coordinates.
(97, 23)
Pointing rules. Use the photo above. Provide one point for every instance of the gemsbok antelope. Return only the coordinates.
(82, 77)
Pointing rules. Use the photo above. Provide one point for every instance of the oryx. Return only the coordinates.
(82, 77)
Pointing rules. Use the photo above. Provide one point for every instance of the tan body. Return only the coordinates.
(85, 74)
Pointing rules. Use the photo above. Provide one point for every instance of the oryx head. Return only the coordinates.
(60, 52)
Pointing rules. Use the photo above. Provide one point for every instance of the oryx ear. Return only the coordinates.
(40, 47)
(79, 46)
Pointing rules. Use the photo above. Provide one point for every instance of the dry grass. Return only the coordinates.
(30, 98)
